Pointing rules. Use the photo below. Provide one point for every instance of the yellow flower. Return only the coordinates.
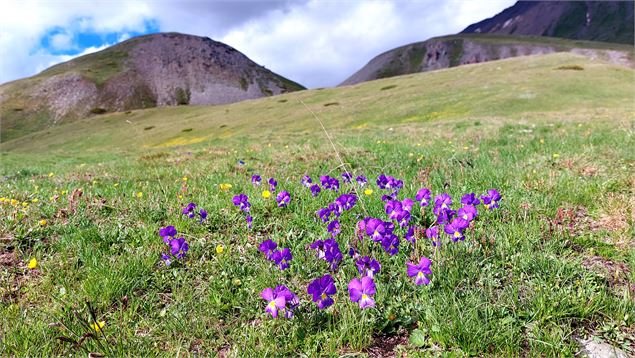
(542, 141)
(139, 194)
(411, 154)
(368, 191)
(219, 249)
(225, 186)
(466, 147)
(266, 194)
(42, 222)
(35, 200)
(32, 264)
(237, 282)
(63, 192)
(115, 185)
(25, 204)
(14, 202)
(184, 178)
(51, 174)
(555, 155)
(97, 326)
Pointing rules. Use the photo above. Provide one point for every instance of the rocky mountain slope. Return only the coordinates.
(608, 21)
(451, 51)
(147, 71)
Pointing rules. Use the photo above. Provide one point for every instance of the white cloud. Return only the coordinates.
(62, 42)
(316, 43)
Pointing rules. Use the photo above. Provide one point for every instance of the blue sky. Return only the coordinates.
(318, 43)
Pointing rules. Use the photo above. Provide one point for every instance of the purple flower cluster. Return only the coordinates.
(178, 247)
(330, 183)
(322, 289)
(280, 257)
(190, 211)
(256, 180)
(280, 301)
(283, 199)
(242, 202)
(329, 251)
(386, 182)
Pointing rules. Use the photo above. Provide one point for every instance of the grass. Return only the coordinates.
(521, 284)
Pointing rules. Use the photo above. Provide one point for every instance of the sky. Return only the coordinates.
(318, 43)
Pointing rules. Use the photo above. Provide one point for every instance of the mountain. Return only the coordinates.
(607, 21)
(450, 51)
(146, 71)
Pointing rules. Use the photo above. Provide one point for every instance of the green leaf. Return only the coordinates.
(417, 338)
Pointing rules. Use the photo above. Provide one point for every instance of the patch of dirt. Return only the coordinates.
(384, 346)
(616, 273)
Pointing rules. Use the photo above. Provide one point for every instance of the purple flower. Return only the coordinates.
(444, 216)
(362, 291)
(433, 234)
(315, 189)
(390, 243)
(291, 300)
(346, 201)
(167, 259)
(410, 234)
(167, 233)
(256, 179)
(242, 202)
(455, 229)
(490, 201)
(361, 180)
(330, 183)
(179, 247)
(332, 253)
(202, 214)
(353, 253)
(336, 209)
(189, 210)
(324, 214)
(467, 212)
(282, 258)
(423, 195)
(367, 266)
(377, 228)
(322, 289)
(470, 199)
(272, 184)
(249, 220)
(421, 271)
(347, 177)
(283, 199)
(275, 302)
(267, 247)
(334, 228)
(306, 181)
(388, 182)
(442, 202)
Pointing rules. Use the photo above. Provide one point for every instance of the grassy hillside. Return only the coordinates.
(554, 264)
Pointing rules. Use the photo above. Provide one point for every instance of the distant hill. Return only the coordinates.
(147, 71)
(607, 21)
(451, 51)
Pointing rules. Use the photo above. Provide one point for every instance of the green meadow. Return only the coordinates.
(555, 263)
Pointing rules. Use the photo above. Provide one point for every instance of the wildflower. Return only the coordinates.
(390, 243)
(433, 234)
(184, 179)
(347, 177)
(410, 234)
(167, 233)
(467, 212)
(237, 282)
(139, 194)
(322, 289)
(219, 249)
(353, 253)
(362, 291)
(242, 202)
(179, 247)
(306, 181)
(318, 246)
(361, 180)
(490, 201)
(274, 302)
(51, 174)
(455, 228)
(189, 210)
(290, 298)
(167, 259)
(97, 326)
(266, 194)
(42, 222)
(283, 199)
(334, 228)
(377, 228)
(224, 186)
(267, 247)
(470, 199)
(368, 191)
(367, 266)
(388, 182)
(315, 189)
(442, 201)
(272, 184)
(282, 258)
(35, 200)
(330, 183)
(346, 201)
(256, 179)
(202, 214)
(332, 253)
(423, 196)
(249, 220)
(421, 271)
(32, 264)
(444, 215)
